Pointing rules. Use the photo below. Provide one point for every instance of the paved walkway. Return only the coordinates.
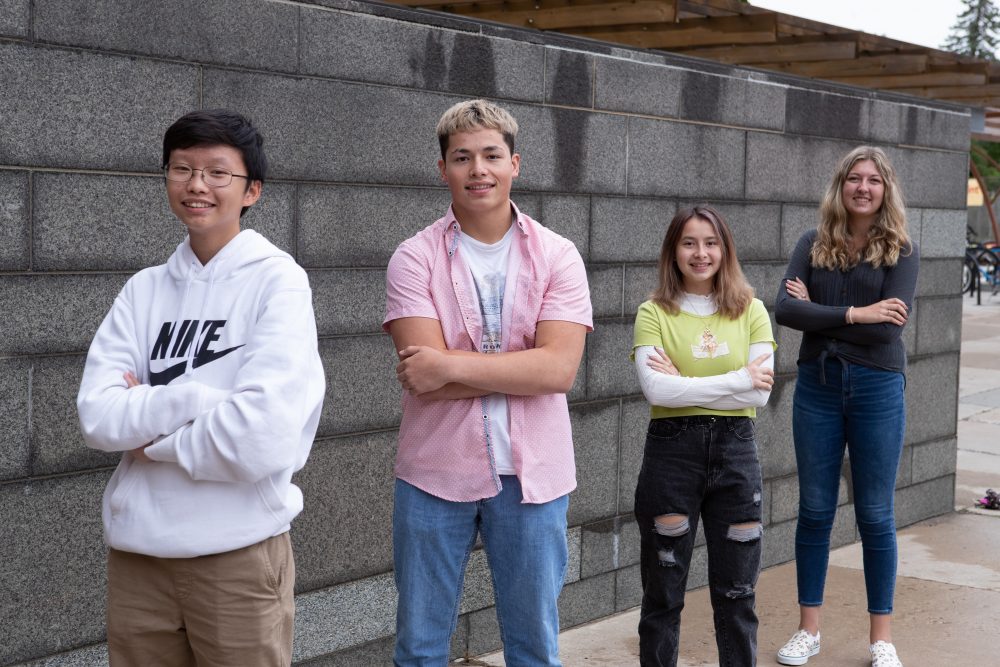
(948, 586)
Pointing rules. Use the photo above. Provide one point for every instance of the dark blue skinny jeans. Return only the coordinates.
(703, 467)
(862, 408)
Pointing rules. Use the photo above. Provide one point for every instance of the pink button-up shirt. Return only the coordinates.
(444, 445)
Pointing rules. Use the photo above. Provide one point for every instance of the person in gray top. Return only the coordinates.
(849, 288)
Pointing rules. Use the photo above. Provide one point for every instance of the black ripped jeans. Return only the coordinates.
(703, 467)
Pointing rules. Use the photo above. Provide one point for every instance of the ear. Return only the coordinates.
(515, 159)
(252, 193)
(444, 176)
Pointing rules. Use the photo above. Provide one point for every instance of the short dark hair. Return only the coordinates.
(219, 127)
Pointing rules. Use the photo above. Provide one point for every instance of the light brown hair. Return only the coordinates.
(887, 238)
(473, 115)
(733, 293)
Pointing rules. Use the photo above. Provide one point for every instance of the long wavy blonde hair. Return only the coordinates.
(732, 291)
(887, 238)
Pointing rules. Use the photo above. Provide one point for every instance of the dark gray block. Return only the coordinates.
(595, 439)
(698, 572)
(784, 498)
(796, 220)
(569, 78)
(769, 155)
(933, 459)
(368, 134)
(348, 301)
(95, 655)
(939, 277)
(484, 632)
(628, 229)
(566, 215)
(644, 88)
(936, 128)
(942, 233)
(609, 371)
(640, 281)
(931, 398)
(15, 17)
(586, 600)
(635, 422)
(711, 98)
(478, 590)
(361, 226)
(359, 47)
(756, 228)
(939, 325)
(931, 179)
(55, 428)
(779, 543)
(79, 109)
(774, 431)
(904, 474)
(345, 530)
(52, 551)
(884, 122)
(124, 223)
(362, 393)
(265, 37)
(599, 547)
(378, 652)
(566, 150)
(628, 588)
(765, 279)
(628, 542)
(831, 115)
(14, 226)
(659, 160)
(765, 103)
(606, 289)
(787, 354)
(54, 313)
(925, 500)
(15, 381)
(343, 616)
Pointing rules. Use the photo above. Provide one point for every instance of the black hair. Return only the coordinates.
(219, 127)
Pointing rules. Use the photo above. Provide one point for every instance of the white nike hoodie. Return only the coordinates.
(231, 397)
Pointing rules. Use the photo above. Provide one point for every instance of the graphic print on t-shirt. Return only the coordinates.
(490, 289)
(708, 346)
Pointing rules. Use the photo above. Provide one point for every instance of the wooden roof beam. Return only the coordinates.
(926, 79)
(863, 66)
(563, 15)
(810, 51)
(689, 32)
(953, 92)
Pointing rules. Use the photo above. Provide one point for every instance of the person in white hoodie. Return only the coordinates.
(206, 375)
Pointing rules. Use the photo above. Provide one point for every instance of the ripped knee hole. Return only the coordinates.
(745, 532)
(671, 525)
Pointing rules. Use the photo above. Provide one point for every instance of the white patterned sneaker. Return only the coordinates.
(884, 655)
(800, 648)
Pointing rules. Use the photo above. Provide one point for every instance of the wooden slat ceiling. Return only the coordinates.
(736, 33)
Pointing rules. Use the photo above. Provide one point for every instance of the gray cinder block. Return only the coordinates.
(586, 600)
(15, 378)
(640, 281)
(659, 161)
(635, 422)
(52, 99)
(628, 229)
(939, 325)
(227, 32)
(936, 128)
(595, 439)
(774, 431)
(934, 459)
(348, 301)
(15, 17)
(931, 179)
(54, 313)
(942, 233)
(569, 78)
(832, 115)
(796, 220)
(14, 225)
(606, 289)
(939, 277)
(566, 215)
(360, 47)
(925, 500)
(644, 88)
(609, 371)
(361, 389)
(931, 398)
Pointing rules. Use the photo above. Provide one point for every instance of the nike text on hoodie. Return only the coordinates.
(231, 397)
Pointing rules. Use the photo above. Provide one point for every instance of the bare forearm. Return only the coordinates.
(531, 372)
(454, 391)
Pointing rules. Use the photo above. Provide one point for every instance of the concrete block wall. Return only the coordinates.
(347, 94)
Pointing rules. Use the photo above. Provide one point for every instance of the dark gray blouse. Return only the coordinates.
(823, 319)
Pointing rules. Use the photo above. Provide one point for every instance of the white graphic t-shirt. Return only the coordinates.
(488, 264)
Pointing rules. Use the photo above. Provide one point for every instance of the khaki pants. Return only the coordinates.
(235, 608)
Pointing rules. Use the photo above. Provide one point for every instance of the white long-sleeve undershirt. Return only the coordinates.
(729, 391)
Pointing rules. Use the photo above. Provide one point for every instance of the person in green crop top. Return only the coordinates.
(703, 352)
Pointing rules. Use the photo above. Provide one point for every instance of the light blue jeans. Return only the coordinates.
(526, 549)
(861, 408)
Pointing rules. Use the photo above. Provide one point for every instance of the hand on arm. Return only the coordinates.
(139, 453)
(548, 368)
(420, 345)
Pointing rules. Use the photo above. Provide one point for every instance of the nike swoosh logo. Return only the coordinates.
(171, 373)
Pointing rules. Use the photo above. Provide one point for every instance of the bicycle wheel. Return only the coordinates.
(968, 275)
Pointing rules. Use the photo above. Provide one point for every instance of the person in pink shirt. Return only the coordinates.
(489, 312)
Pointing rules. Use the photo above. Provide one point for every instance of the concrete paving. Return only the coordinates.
(948, 584)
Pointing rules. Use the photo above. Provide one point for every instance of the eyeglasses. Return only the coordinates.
(213, 177)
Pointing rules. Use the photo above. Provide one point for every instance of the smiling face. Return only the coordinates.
(698, 255)
(479, 170)
(863, 191)
(211, 215)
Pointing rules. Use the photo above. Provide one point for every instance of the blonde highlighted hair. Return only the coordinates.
(887, 238)
(473, 115)
(733, 293)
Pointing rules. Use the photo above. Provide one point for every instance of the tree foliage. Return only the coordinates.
(976, 31)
